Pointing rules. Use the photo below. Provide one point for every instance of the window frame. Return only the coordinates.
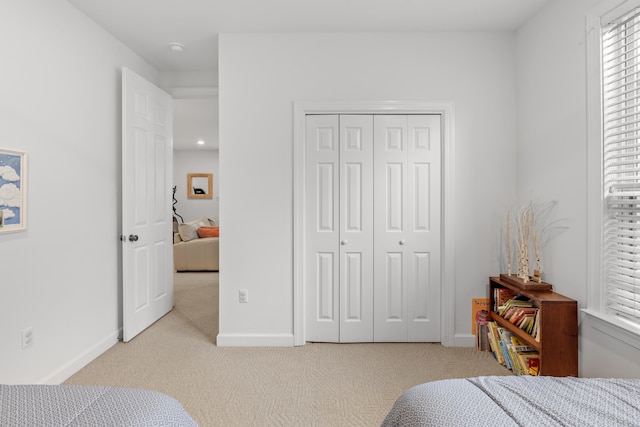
(604, 13)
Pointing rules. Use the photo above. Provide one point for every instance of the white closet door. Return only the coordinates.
(423, 243)
(372, 228)
(390, 228)
(406, 228)
(356, 228)
(322, 229)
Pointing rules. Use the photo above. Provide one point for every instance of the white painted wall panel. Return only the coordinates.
(66, 287)
(552, 163)
(476, 72)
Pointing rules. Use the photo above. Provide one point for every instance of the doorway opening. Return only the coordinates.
(196, 153)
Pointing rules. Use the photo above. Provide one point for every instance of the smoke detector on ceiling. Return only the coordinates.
(176, 47)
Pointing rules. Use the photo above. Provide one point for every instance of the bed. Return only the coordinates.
(519, 401)
(67, 405)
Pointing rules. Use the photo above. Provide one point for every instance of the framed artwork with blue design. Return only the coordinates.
(13, 190)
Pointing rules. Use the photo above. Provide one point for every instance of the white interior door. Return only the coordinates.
(356, 228)
(146, 203)
(407, 228)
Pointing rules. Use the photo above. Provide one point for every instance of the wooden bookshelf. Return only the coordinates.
(558, 344)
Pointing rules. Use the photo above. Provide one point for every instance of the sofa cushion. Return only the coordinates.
(188, 231)
(209, 232)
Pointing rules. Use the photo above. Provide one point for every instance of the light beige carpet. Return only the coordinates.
(313, 385)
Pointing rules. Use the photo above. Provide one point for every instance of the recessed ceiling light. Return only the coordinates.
(176, 47)
(200, 142)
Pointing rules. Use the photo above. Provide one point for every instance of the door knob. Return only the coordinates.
(133, 237)
(402, 242)
(344, 242)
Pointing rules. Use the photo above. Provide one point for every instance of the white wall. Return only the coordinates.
(552, 162)
(261, 76)
(60, 101)
(195, 161)
(187, 79)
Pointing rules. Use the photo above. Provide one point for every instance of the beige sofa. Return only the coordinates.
(193, 253)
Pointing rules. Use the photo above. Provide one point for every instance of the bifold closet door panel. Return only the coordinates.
(356, 228)
(423, 244)
(390, 221)
(322, 228)
(407, 228)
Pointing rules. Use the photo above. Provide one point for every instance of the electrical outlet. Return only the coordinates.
(27, 337)
(243, 295)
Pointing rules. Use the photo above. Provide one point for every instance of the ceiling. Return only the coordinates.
(194, 120)
(148, 27)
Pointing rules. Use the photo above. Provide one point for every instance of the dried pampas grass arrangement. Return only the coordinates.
(532, 227)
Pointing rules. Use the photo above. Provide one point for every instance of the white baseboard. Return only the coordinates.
(464, 340)
(67, 370)
(254, 340)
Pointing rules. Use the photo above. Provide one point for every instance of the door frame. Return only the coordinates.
(189, 92)
(446, 110)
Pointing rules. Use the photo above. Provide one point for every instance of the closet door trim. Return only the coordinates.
(446, 110)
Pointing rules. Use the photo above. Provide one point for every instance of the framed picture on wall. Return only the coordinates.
(199, 186)
(13, 190)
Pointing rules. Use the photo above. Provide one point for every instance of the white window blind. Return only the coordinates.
(621, 156)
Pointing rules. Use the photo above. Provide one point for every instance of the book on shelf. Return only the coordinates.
(513, 352)
(521, 312)
(530, 362)
(534, 365)
(494, 341)
(479, 312)
(535, 329)
(505, 338)
(507, 309)
(526, 322)
(501, 296)
(479, 318)
(517, 313)
(482, 337)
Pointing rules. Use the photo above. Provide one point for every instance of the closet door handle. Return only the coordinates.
(343, 242)
(402, 242)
